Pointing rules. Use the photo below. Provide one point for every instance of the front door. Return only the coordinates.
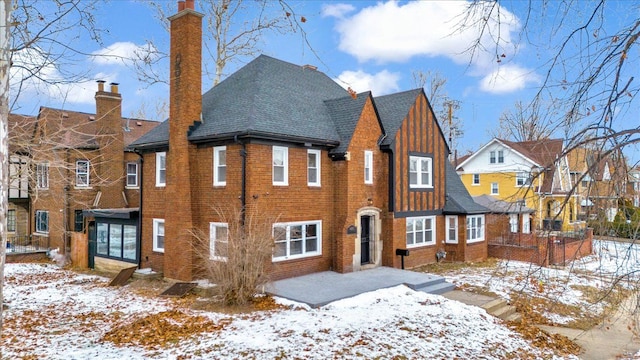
(365, 239)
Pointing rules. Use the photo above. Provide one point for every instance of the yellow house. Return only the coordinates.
(531, 173)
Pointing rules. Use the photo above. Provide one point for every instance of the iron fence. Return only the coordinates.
(27, 243)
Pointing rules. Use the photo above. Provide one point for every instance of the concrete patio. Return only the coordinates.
(319, 289)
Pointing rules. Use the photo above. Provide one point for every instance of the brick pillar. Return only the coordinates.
(110, 165)
(185, 106)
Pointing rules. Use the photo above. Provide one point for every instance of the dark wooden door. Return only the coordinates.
(365, 239)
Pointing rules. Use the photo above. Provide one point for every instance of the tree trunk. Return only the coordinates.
(5, 15)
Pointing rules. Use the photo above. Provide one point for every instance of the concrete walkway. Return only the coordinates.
(612, 339)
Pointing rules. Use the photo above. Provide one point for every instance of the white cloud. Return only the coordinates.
(381, 83)
(389, 32)
(508, 78)
(34, 75)
(123, 53)
(336, 10)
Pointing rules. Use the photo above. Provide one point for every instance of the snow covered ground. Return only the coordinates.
(60, 314)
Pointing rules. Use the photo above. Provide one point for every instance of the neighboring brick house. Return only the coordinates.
(82, 170)
(351, 177)
(600, 180)
(20, 128)
(534, 173)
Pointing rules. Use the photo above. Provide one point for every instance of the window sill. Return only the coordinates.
(477, 241)
(295, 257)
(83, 188)
(160, 251)
(451, 242)
(161, 185)
(132, 187)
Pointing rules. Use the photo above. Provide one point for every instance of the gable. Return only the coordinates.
(512, 160)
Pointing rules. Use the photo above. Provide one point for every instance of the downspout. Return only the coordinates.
(65, 215)
(243, 194)
(139, 234)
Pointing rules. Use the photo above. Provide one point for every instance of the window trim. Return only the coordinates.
(78, 173)
(482, 228)
(317, 168)
(368, 167)
(448, 228)
(420, 171)
(159, 156)
(492, 157)
(285, 165)
(497, 188)
(38, 229)
(12, 220)
(156, 222)
(42, 176)
(526, 223)
(500, 156)
(523, 176)
(135, 175)
(513, 223)
(216, 165)
(424, 231)
(213, 239)
(287, 226)
(475, 177)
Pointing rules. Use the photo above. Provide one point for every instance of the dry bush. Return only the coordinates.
(238, 267)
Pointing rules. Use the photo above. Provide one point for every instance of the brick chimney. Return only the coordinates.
(185, 106)
(109, 167)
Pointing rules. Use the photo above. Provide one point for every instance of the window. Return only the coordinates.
(42, 176)
(161, 169)
(158, 235)
(494, 189)
(513, 223)
(368, 167)
(452, 229)
(492, 157)
(117, 240)
(420, 231)
(523, 179)
(475, 228)
(82, 173)
(218, 241)
(313, 167)
(132, 174)
(42, 221)
(420, 172)
(297, 239)
(220, 166)
(78, 221)
(526, 224)
(11, 220)
(280, 165)
(476, 179)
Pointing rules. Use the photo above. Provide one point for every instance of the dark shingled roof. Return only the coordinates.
(500, 206)
(157, 137)
(345, 113)
(458, 199)
(271, 97)
(393, 109)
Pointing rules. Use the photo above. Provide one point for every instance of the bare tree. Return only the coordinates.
(228, 36)
(524, 123)
(444, 107)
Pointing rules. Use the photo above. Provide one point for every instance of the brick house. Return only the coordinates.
(352, 178)
(80, 170)
(534, 173)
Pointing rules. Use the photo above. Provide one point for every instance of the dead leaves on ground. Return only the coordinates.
(162, 329)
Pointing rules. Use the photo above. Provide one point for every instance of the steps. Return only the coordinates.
(501, 309)
(437, 285)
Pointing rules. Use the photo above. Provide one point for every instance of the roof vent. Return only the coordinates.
(309, 67)
(92, 118)
(65, 115)
(139, 123)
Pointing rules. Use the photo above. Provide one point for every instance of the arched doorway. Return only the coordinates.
(368, 243)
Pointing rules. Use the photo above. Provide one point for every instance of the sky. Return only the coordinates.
(365, 45)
